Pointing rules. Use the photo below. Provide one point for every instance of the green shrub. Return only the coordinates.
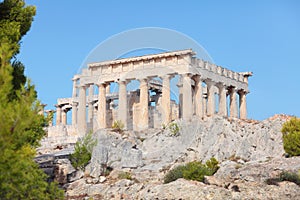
(174, 128)
(125, 175)
(284, 176)
(291, 136)
(83, 151)
(290, 176)
(193, 171)
(118, 126)
(174, 174)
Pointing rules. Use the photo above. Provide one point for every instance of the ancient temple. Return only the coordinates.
(204, 90)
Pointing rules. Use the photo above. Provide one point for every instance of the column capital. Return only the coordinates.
(241, 91)
(187, 75)
(209, 81)
(197, 78)
(232, 88)
(221, 85)
(57, 105)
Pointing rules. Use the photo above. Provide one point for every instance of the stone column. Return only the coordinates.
(165, 100)
(222, 100)
(82, 111)
(198, 96)
(90, 104)
(74, 93)
(187, 103)
(210, 98)
(144, 102)
(123, 110)
(74, 113)
(107, 88)
(58, 114)
(49, 114)
(102, 106)
(64, 117)
(243, 105)
(233, 103)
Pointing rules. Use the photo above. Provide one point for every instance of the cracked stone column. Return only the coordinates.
(102, 106)
(233, 103)
(144, 102)
(74, 113)
(123, 110)
(187, 102)
(82, 110)
(210, 98)
(222, 100)
(90, 104)
(243, 105)
(198, 96)
(165, 100)
(58, 114)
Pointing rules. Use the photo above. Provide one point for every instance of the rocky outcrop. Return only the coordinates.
(249, 152)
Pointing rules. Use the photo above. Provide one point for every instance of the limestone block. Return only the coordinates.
(131, 158)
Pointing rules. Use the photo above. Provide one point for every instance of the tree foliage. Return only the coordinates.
(83, 151)
(291, 136)
(21, 125)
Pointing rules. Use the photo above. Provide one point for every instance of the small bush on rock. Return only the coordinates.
(193, 171)
(118, 126)
(284, 176)
(291, 136)
(174, 174)
(83, 151)
(174, 128)
(125, 175)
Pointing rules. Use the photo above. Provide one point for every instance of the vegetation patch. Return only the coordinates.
(173, 127)
(118, 126)
(193, 171)
(284, 176)
(291, 136)
(125, 175)
(83, 151)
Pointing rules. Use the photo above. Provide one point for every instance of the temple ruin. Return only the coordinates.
(204, 90)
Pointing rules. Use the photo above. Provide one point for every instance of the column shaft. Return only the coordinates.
(102, 106)
(198, 97)
(108, 88)
(187, 103)
(64, 117)
(82, 111)
(222, 100)
(165, 100)
(210, 98)
(74, 113)
(58, 115)
(90, 104)
(243, 105)
(74, 88)
(144, 101)
(122, 110)
(233, 103)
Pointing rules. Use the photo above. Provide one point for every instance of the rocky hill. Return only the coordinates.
(249, 152)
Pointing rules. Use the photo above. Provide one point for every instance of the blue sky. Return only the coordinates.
(258, 36)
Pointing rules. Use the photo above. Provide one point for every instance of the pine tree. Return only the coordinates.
(21, 125)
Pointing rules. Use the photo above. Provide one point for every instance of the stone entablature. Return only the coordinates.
(198, 84)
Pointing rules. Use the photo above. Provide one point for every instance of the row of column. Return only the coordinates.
(192, 102)
(222, 92)
(61, 114)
